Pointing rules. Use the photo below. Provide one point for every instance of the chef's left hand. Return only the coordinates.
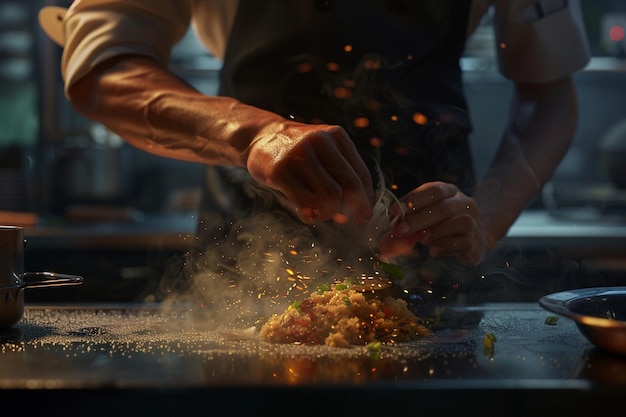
(441, 217)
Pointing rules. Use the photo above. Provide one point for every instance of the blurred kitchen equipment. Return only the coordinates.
(602, 194)
(93, 168)
(599, 314)
(13, 279)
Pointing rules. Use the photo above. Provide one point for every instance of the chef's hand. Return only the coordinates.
(439, 216)
(318, 168)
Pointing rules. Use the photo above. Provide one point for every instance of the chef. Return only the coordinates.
(321, 102)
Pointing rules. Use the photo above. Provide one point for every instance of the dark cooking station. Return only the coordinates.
(142, 360)
(107, 359)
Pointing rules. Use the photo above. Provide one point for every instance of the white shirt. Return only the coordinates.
(537, 40)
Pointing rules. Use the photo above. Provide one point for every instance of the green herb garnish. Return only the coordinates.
(394, 272)
(296, 305)
(373, 349)
(323, 288)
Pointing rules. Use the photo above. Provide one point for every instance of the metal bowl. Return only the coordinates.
(599, 313)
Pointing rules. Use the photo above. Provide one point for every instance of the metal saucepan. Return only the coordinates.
(13, 279)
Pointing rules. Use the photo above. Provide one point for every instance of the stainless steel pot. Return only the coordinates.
(13, 279)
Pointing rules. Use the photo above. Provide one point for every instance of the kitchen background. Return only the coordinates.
(71, 175)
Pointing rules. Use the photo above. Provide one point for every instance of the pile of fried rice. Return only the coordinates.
(336, 315)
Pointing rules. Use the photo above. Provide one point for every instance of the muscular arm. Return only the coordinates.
(156, 111)
(316, 166)
(541, 128)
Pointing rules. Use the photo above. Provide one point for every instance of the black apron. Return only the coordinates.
(393, 63)
(401, 73)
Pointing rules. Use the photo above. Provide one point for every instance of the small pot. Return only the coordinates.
(13, 279)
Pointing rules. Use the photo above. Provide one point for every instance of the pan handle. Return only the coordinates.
(50, 279)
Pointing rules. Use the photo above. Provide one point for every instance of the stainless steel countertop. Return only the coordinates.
(161, 231)
(575, 232)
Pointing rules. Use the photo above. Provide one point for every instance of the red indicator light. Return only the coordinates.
(617, 33)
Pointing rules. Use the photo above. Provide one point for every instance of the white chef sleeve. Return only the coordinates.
(540, 40)
(97, 30)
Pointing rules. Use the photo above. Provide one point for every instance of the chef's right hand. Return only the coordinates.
(318, 168)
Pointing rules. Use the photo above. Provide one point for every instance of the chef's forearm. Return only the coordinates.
(542, 127)
(156, 111)
(506, 190)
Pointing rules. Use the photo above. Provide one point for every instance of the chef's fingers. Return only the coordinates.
(467, 246)
(348, 150)
(444, 219)
(425, 195)
(466, 249)
(444, 205)
(462, 247)
(318, 196)
(392, 246)
(306, 182)
(324, 188)
(451, 237)
(337, 184)
(460, 236)
(318, 169)
(345, 166)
